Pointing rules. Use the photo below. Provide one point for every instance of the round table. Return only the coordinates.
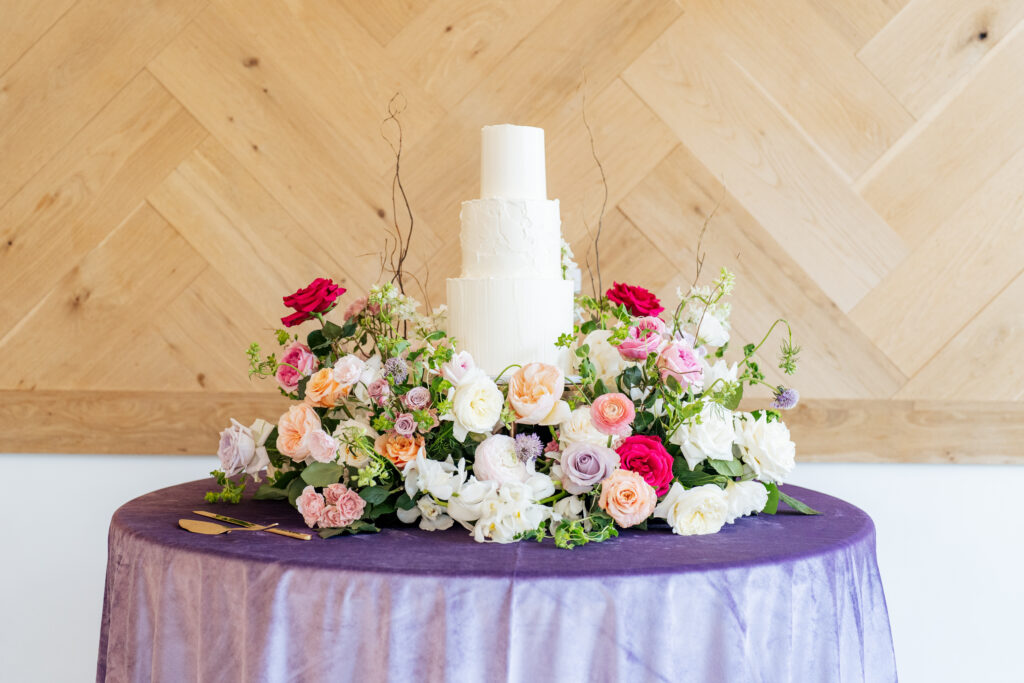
(769, 598)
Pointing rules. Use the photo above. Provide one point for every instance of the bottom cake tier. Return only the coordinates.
(510, 322)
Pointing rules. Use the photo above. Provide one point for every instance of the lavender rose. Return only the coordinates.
(378, 391)
(417, 398)
(405, 424)
(243, 449)
(585, 465)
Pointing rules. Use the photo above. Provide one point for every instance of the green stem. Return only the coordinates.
(551, 499)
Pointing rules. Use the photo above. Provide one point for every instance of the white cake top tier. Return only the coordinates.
(512, 163)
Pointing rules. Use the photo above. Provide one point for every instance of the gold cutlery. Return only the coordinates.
(250, 525)
(198, 526)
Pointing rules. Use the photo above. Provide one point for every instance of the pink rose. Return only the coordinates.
(378, 391)
(637, 300)
(348, 370)
(535, 392)
(646, 456)
(459, 368)
(405, 424)
(355, 308)
(627, 498)
(333, 492)
(644, 338)
(298, 362)
(417, 398)
(330, 517)
(679, 360)
(311, 506)
(613, 414)
(350, 504)
(321, 446)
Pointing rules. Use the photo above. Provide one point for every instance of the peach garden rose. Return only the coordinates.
(535, 392)
(627, 498)
(399, 449)
(323, 391)
(292, 429)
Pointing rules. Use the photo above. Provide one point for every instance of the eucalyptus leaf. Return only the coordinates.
(434, 336)
(322, 474)
(268, 492)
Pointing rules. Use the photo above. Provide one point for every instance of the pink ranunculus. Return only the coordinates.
(459, 368)
(311, 506)
(643, 339)
(637, 300)
(333, 492)
(378, 391)
(350, 505)
(679, 360)
(320, 445)
(646, 456)
(317, 297)
(298, 362)
(417, 398)
(405, 424)
(613, 414)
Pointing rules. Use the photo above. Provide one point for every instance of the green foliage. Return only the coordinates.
(259, 366)
(571, 533)
(294, 489)
(230, 492)
(374, 494)
(357, 527)
(565, 340)
(270, 492)
(802, 508)
(322, 474)
(730, 468)
(282, 336)
(773, 499)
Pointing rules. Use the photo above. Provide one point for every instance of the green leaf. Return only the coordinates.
(772, 505)
(374, 494)
(322, 474)
(301, 390)
(730, 468)
(600, 388)
(673, 385)
(588, 327)
(356, 527)
(268, 492)
(295, 490)
(332, 331)
(385, 508)
(632, 376)
(316, 340)
(731, 399)
(404, 502)
(349, 328)
(436, 335)
(642, 422)
(802, 508)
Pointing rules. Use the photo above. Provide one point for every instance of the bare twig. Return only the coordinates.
(604, 201)
(400, 249)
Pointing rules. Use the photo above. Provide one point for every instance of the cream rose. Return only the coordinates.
(710, 435)
(476, 406)
(744, 498)
(766, 447)
(579, 428)
(535, 392)
(293, 427)
(697, 511)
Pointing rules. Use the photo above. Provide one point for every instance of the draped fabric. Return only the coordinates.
(770, 598)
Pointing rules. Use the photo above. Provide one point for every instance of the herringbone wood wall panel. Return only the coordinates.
(170, 168)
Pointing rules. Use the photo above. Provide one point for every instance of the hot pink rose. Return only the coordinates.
(350, 504)
(311, 505)
(298, 362)
(613, 414)
(679, 360)
(646, 456)
(637, 300)
(317, 297)
(644, 338)
(417, 398)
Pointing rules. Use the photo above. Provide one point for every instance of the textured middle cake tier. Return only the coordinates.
(510, 321)
(511, 238)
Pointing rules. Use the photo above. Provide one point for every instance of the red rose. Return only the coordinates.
(646, 456)
(637, 300)
(318, 297)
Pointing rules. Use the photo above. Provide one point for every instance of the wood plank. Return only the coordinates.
(99, 178)
(802, 66)
(383, 20)
(92, 52)
(158, 422)
(982, 361)
(71, 339)
(931, 45)
(978, 250)
(857, 21)
(671, 205)
(24, 22)
(948, 155)
(765, 162)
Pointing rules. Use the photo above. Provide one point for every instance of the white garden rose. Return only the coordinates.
(580, 428)
(348, 370)
(508, 513)
(708, 435)
(608, 364)
(766, 447)
(713, 331)
(541, 485)
(372, 369)
(349, 433)
(496, 460)
(697, 511)
(744, 498)
(466, 504)
(476, 406)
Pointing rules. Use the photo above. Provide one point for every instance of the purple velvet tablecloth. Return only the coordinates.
(783, 598)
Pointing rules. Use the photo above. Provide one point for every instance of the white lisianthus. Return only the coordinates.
(608, 364)
(728, 374)
(496, 460)
(466, 504)
(766, 447)
(579, 428)
(439, 479)
(431, 515)
(349, 433)
(707, 436)
(744, 498)
(476, 406)
(508, 513)
(697, 511)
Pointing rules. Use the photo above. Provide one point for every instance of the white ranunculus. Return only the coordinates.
(696, 511)
(508, 513)
(766, 447)
(579, 428)
(709, 435)
(439, 479)
(431, 515)
(744, 498)
(476, 406)
(243, 449)
(495, 459)
(349, 433)
(728, 374)
(466, 504)
(608, 364)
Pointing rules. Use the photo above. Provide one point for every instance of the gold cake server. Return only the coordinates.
(240, 522)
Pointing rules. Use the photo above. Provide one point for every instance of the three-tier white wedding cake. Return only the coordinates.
(511, 303)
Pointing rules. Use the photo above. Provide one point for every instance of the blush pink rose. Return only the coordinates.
(646, 456)
(535, 392)
(298, 362)
(333, 492)
(459, 368)
(292, 429)
(679, 360)
(613, 414)
(350, 507)
(311, 506)
(627, 498)
(330, 517)
(321, 446)
(643, 339)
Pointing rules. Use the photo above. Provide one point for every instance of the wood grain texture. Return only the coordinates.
(169, 170)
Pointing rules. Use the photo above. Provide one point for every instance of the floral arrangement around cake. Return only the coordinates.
(390, 422)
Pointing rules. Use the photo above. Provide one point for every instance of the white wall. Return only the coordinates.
(950, 545)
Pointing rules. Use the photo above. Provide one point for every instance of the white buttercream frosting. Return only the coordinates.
(507, 238)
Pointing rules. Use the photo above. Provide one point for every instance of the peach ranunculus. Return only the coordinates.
(323, 390)
(627, 498)
(613, 414)
(400, 450)
(292, 429)
(535, 392)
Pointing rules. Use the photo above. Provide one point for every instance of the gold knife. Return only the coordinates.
(240, 522)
